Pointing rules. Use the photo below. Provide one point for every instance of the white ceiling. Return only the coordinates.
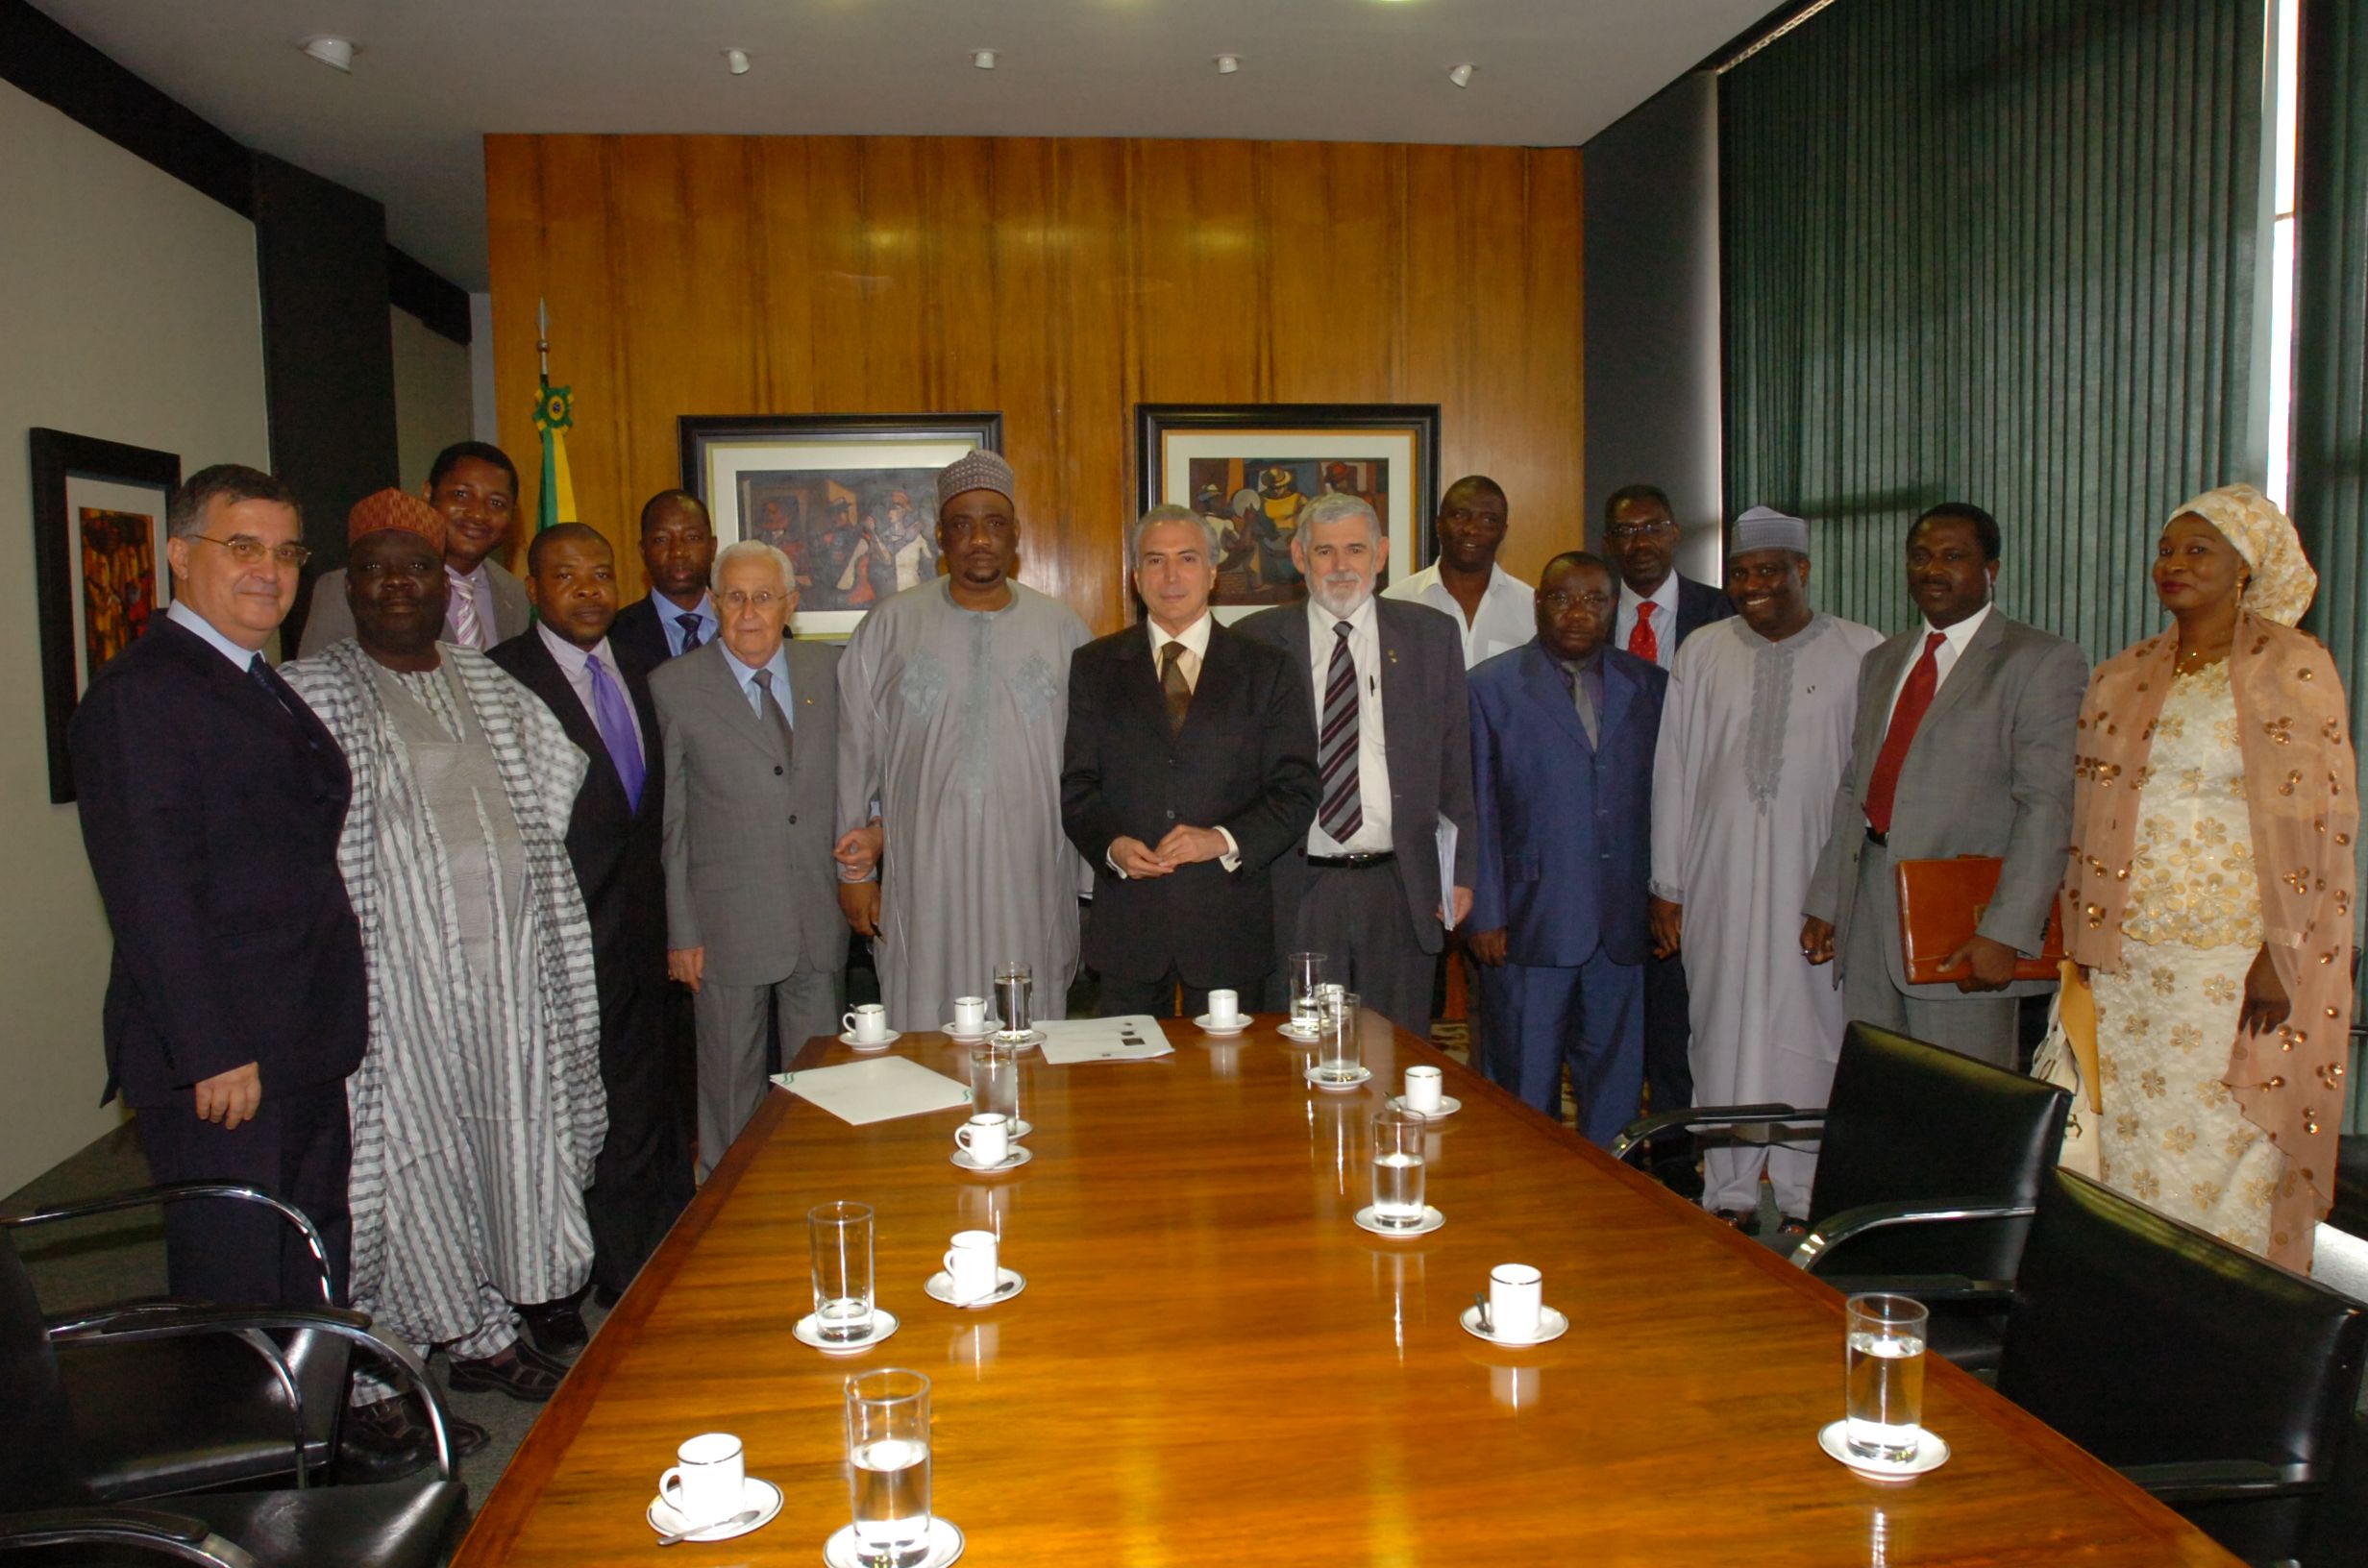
(435, 75)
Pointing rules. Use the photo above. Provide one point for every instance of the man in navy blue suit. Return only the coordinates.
(1563, 731)
(211, 800)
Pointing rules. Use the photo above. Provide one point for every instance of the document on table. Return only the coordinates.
(1446, 870)
(1137, 1037)
(882, 1089)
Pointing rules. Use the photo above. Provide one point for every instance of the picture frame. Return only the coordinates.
(99, 573)
(851, 499)
(1253, 466)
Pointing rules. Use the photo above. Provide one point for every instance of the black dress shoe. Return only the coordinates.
(558, 1328)
(607, 1296)
(520, 1371)
(391, 1439)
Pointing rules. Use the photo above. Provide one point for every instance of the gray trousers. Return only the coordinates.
(1358, 920)
(732, 1028)
(1978, 1024)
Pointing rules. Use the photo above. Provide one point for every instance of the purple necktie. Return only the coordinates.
(614, 719)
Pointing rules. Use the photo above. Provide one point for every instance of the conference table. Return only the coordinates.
(1211, 1363)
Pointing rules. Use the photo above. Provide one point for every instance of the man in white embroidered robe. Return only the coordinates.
(1754, 737)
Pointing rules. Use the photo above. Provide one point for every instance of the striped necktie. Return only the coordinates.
(690, 630)
(1343, 811)
(460, 616)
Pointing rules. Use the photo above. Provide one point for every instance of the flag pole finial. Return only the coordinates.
(542, 336)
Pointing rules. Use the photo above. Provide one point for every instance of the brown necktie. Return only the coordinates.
(1172, 686)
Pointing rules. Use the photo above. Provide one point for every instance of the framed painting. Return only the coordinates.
(1253, 468)
(98, 565)
(851, 499)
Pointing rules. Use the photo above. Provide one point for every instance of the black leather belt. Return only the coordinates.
(1882, 840)
(1353, 863)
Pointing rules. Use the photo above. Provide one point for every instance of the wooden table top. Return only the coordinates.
(1212, 1365)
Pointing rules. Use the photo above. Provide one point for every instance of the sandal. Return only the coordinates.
(1792, 1228)
(1743, 1219)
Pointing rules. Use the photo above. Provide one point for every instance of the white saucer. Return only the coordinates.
(1432, 1219)
(1448, 1105)
(1008, 1283)
(1011, 1162)
(954, 1032)
(1363, 1076)
(1291, 1031)
(753, 1494)
(889, 1039)
(944, 1545)
(1551, 1325)
(1932, 1452)
(1208, 1027)
(883, 1324)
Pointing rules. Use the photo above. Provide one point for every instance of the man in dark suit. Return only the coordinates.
(1393, 739)
(1658, 608)
(1188, 768)
(601, 697)
(475, 486)
(678, 548)
(211, 800)
(1563, 735)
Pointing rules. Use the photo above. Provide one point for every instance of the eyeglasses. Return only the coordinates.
(1559, 602)
(764, 599)
(1640, 531)
(248, 550)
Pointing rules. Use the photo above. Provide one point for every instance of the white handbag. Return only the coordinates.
(2057, 1062)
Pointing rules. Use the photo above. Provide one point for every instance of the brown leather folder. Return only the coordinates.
(1940, 905)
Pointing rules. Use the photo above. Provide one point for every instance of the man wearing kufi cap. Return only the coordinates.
(954, 706)
(1754, 738)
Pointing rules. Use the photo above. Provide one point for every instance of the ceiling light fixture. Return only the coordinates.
(338, 54)
(1227, 65)
(983, 58)
(1461, 75)
(736, 60)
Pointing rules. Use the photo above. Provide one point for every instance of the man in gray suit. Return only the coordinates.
(1394, 756)
(475, 487)
(750, 730)
(1963, 747)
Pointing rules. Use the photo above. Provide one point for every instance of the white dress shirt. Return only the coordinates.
(1507, 614)
(188, 619)
(1664, 620)
(1945, 657)
(1195, 641)
(1373, 836)
(575, 664)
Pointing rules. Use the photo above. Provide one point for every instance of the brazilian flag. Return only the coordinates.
(555, 410)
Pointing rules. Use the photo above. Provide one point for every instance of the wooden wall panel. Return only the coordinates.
(1060, 281)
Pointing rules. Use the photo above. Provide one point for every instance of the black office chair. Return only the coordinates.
(1927, 1165)
(2219, 1381)
(193, 1411)
(50, 1513)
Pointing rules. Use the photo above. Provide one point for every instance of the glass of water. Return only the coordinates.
(1340, 1058)
(841, 1234)
(1015, 989)
(1303, 973)
(1398, 1169)
(888, 1466)
(995, 1082)
(1883, 1378)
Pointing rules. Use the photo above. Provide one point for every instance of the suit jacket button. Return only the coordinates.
(777, 770)
(1171, 816)
(793, 819)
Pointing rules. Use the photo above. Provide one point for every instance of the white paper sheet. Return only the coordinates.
(1137, 1037)
(862, 1093)
(1446, 835)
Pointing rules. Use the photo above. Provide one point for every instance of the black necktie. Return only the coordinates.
(260, 672)
(690, 630)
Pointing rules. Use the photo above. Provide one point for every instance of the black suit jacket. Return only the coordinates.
(1244, 761)
(636, 632)
(614, 846)
(210, 814)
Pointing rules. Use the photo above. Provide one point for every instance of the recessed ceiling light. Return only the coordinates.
(338, 54)
(1461, 75)
(736, 60)
(983, 58)
(1227, 65)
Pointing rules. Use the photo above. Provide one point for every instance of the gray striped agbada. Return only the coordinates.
(479, 1109)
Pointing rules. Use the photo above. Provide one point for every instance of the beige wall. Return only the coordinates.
(433, 399)
(129, 310)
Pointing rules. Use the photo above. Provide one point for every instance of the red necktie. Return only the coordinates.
(1640, 639)
(1914, 699)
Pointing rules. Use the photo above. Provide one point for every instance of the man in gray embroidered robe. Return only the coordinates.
(478, 1111)
(954, 706)
(1754, 737)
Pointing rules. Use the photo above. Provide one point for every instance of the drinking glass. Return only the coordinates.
(1015, 986)
(1883, 1378)
(995, 1083)
(1340, 1058)
(841, 1234)
(888, 1466)
(1398, 1169)
(1303, 973)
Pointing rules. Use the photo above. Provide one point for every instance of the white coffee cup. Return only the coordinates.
(1224, 1008)
(986, 1137)
(1422, 1089)
(970, 1014)
(971, 1265)
(706, 1488)
(870, 1022)
(1517, 1295)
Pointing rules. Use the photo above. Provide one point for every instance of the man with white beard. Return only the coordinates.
(1385, 680)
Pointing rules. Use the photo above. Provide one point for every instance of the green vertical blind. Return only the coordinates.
(1996, 250)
